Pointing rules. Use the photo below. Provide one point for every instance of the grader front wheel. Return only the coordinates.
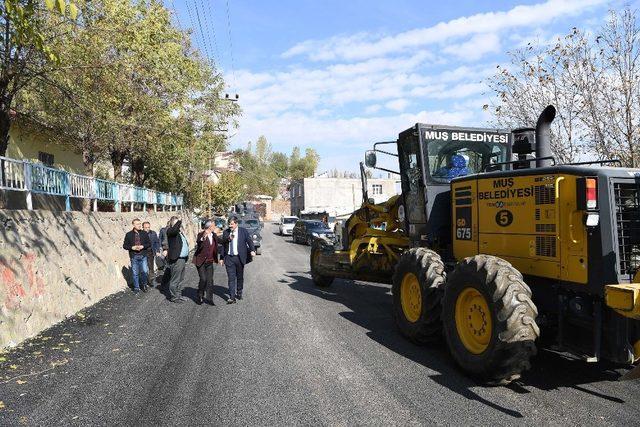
(319, 279)
(489, 319)
(417, 294)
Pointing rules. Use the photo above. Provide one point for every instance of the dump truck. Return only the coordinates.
(493, 244)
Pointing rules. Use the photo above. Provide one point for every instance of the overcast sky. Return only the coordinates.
(338, 75)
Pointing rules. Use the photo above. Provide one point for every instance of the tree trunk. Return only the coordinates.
(117, 160)
(137, 170)
(5, 126)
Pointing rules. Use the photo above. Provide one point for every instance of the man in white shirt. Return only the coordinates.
(238, 251)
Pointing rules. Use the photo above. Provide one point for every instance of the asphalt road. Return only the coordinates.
(287, 354)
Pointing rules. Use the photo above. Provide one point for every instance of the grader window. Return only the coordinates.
(448, 160)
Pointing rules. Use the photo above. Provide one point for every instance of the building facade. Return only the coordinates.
(338, 196)
(29, 142)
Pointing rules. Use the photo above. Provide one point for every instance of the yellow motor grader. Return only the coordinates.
(491, 243)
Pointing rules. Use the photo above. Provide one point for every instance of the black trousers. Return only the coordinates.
(151, 258)
(205, 272)
(235, 274)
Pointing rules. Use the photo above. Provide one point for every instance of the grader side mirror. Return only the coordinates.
(370, 159)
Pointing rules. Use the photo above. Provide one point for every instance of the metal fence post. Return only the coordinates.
(26, 169)
(95, 195)
(66, 182)
(116, 196)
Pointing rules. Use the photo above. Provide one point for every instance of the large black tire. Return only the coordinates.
(507, 352)
(318, 247)
(427, 266)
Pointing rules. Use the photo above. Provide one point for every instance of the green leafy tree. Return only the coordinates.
(279, 162)
(27, 29)
(303, 167)
(134, 89)
(227, 192)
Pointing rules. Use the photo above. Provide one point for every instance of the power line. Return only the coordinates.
(175, 11)
(212, 31)
(233, 66)
(204, 46)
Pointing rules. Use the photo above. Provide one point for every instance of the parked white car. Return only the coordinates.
(286, 225)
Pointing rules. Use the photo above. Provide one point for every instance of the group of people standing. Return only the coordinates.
(232, 248)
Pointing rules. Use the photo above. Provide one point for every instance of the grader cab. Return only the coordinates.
(491, 251)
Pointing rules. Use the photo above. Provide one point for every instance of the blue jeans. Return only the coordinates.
(140, 270)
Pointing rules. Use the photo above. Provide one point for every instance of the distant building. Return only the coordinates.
(283, 189)
(223, 161)
(30, 141)
(338, 196)
(262, 202)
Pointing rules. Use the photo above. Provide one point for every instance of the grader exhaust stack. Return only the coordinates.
(543, 136)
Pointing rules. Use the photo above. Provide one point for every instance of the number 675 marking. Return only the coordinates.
(463, 233)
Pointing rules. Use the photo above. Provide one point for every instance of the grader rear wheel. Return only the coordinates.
(417, 294)
(319, 280)
(489, 319)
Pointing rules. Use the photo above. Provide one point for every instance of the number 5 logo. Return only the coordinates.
(504, 218)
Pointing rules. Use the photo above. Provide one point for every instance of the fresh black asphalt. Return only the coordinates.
(288, 353)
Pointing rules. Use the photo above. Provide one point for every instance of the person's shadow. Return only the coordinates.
(127, 274)
(162, 279)
(220, 291)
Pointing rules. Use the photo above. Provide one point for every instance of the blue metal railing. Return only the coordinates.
(29, 177)
(48, 180)
(105, 190)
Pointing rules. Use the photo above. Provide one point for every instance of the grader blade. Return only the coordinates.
(633, 374)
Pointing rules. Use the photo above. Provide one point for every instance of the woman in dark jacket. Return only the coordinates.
(205, 257)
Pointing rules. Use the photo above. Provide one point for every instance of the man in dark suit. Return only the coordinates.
(238, 250)
(152, 252)
(137, 243)
(177, 255)
(204, 258)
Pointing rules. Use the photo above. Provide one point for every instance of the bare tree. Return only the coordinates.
(536, 79)
(614, 124)
(594, 81)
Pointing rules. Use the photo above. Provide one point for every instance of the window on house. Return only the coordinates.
(45, 158)
(376, 189)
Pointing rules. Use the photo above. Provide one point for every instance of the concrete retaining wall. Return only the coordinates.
(53, 264)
